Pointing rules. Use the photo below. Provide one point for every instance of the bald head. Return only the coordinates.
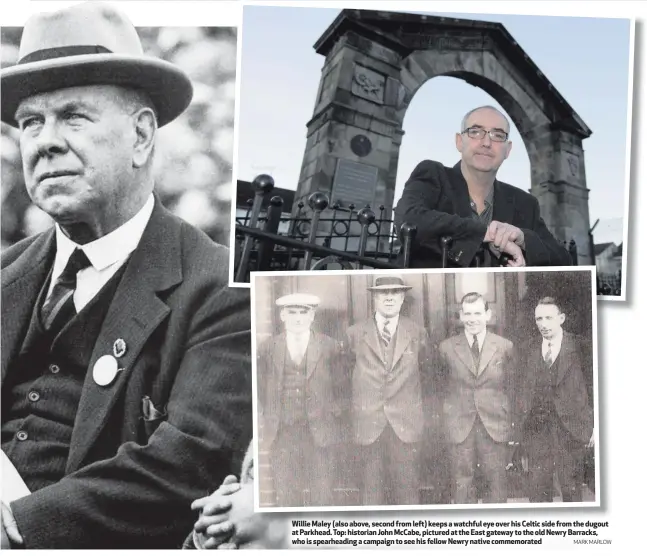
(472, 114)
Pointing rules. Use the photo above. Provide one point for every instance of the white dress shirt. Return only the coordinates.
(297, 345)
(480, 338)
(555, 345)
(106, 254)
(380, 319)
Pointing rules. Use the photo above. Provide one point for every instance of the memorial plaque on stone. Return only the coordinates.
(354, 183)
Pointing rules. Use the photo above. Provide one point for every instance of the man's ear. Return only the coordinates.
(145, 130)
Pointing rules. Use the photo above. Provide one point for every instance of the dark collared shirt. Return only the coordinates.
(484, 217)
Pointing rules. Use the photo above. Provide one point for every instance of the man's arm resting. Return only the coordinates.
(419, 206)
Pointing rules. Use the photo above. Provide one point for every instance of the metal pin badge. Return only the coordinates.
(119, 348)
(105, 370)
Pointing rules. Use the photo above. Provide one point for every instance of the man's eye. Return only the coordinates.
(28, 123)
(73, 116)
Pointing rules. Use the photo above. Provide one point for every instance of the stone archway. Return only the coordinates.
(375, 63)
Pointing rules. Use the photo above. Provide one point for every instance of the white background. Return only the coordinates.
(622, 338)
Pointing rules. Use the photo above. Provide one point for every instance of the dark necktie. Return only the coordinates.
(386, 334)
(549, 355)
(476, 354)
(59, 308)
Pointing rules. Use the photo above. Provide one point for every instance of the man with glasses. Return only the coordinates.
(468, 204)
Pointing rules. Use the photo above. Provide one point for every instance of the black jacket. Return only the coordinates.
(436, 200)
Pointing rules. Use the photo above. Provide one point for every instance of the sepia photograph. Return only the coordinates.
(386, 139)
(424, 389)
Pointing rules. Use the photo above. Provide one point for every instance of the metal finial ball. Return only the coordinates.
(318, 201)
(276, 201)
(263, 182)
(408, 229)
(446, 241)
(366, 216)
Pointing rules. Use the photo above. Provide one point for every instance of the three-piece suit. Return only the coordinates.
(171, 425)
(300, 405)
(556, 418)
(386, 408)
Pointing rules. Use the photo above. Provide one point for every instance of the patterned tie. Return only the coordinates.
(59, 308)
(548, 358)
(476, 354)
(386, 334)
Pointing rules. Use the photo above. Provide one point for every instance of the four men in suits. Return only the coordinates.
(388, 353)
(497, 402)
(479, 368)
(468, 204)
(126, 381)
(557, 416)
(300, 402)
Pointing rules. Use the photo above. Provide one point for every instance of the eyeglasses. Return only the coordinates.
(497, 135)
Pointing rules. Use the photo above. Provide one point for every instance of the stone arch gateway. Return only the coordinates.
(375, 63)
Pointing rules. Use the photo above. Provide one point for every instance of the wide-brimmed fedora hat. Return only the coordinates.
(388, 283)
(90, 43)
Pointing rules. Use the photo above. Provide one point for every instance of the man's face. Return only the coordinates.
(549, 320)
(77, 151)
(389, 302)
(484, 155)
(474, 316)
(297, 320)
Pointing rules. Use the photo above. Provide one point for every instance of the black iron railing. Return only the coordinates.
(320, 235)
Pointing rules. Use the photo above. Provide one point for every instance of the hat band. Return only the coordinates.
(63, 52)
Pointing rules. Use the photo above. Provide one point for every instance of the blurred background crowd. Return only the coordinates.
(194, 153)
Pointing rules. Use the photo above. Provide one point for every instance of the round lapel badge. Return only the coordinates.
(105, 370)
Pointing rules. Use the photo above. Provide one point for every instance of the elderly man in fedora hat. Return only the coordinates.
(126, 384)
(388, 354)
(300, 399)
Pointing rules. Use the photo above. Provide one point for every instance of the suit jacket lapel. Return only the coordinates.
(487, 352)
(279, 353)
(135, 312)
(22, 281)
(402, 339)
(462, 349)
(461, 194)
(313, 353)
(371, 338)
(564, 358)
(503, 210)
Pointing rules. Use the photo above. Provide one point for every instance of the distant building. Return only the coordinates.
(608, 258)
(608, 262)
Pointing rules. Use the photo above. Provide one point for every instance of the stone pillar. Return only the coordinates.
(559, 183)
(354, 135)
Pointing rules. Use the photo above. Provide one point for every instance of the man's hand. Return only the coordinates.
(255, 530)
(10, 533)
(513, 251)
(500, 234)
(214, 526)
